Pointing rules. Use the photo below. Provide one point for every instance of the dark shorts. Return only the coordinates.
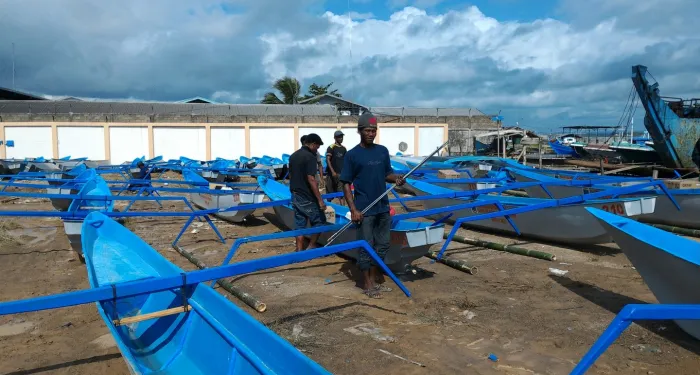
(376, 230)
(304, 210)
(333, 184)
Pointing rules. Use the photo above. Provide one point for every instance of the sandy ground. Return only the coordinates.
(532, 321)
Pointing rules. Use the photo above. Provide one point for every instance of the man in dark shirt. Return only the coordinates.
(319, 164)
(306, 199)
(334, 165)
(368, 167)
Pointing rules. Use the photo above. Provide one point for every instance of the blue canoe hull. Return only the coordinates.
(669, 264)
(214, 337)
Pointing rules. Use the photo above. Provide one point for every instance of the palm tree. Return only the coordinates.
(289, 88)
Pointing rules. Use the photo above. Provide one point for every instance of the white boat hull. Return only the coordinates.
(224, 201)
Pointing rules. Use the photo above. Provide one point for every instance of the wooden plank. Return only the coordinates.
(153, 315)
(622, 169)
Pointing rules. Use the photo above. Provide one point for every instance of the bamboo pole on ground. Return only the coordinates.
(459, 265)
(243, 296)
(678, 230)
(507, 248)
(516, 193)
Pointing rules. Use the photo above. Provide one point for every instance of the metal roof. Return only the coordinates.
(332, 97)
(141, 108)
(169, 108)
(414, 111)
(11, 94)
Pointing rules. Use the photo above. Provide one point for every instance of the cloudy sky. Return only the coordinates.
(543, 63)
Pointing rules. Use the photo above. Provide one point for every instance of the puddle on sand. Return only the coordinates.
(15, 328)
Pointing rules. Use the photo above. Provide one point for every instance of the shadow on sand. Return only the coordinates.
(614, 302)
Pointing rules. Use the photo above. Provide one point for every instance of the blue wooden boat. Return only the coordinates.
(557, 223)
(410, 240)
(72, 226)
(561, 149)
(674, 124)
(67, 188)
(222, 198)
(668, 264)
(664, 213)
(191, 331)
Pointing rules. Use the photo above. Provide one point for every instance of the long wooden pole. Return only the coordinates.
(243, 296)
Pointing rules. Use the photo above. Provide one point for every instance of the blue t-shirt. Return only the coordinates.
(367, 169)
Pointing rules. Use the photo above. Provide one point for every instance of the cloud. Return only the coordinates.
(544, 73)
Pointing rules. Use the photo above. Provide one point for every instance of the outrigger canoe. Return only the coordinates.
(410, 239)
(669, 264)
(665, 211)
(221, 198)
(206, 334)
(68, 188)
(72, 226)
(564, 224)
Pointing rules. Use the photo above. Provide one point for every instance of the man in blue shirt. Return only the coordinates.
(368, 167)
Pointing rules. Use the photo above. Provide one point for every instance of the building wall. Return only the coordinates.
(124, 141)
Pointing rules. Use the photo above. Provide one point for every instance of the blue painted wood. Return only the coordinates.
(157, 284)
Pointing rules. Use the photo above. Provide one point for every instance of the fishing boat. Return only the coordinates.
(564, 224)
(673, 123)
(632, 152)
(72, 226)
(668, 264)
(206, 334)
(275, 166)
(12, 166)
(410, 239)
(221, 198)
(665, 212)
(560, 148)
(69, 187)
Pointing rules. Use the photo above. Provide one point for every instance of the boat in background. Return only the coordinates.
(665, 212)
(563, 224)
(73, 226)
(674, 124)
(221, 198)
(208, 334)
